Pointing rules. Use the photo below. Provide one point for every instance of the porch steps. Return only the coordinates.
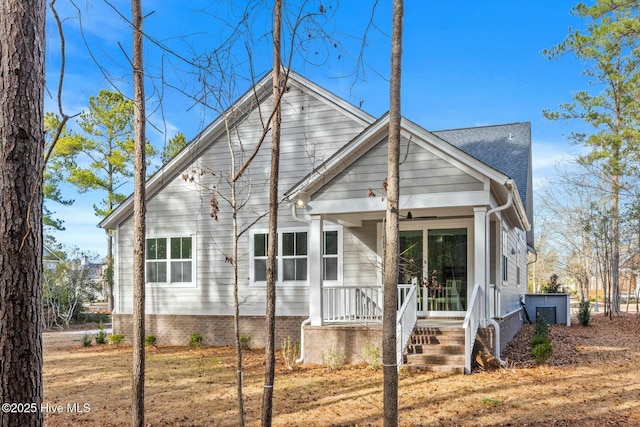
(436, 347)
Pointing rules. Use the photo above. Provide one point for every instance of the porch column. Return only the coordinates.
(315, 270)
(481, 254)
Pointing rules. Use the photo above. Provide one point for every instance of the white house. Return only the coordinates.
(466, 228)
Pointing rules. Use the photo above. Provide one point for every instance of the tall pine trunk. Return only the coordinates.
(139, 210)
(270, 357)
(391, 252)
(22, 39)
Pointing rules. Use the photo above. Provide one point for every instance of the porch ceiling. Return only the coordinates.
(356, 219)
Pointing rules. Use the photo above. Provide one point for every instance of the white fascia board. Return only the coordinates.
(419, 201)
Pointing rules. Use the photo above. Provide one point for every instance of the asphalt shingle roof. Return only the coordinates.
(506, 148)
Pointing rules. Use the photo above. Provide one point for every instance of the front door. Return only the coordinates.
(437, 253)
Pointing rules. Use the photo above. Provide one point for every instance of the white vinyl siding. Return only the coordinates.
(421, 172)
(313, 129)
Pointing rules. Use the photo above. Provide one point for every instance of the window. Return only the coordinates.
(156, 260)
(505, 255)
(180, 259)
(260, 257)
(292, 264)
(505, 268)
(330, 255)
(294, 256)
(174, 265)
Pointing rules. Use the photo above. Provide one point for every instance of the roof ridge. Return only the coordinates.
(483, 126)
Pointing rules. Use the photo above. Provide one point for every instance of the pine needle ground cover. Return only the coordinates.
(592, 380)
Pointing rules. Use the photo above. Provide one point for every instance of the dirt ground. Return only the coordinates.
(593, 380)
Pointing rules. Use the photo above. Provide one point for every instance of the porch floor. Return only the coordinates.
(431, 322)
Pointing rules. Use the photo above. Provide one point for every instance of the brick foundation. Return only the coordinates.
(509, 327)
(215, 330)
(347, 340)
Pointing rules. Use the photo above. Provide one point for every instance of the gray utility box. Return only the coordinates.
(554, 308)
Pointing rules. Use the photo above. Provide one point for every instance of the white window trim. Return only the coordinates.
(281, 231)
(169, 283)
(504, 260)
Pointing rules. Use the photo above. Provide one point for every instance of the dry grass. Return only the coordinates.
(593, 381)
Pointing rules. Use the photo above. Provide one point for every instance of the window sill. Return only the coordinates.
(158, 285)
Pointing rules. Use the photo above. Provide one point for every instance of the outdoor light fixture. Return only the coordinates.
(301, 202)
(409, 216)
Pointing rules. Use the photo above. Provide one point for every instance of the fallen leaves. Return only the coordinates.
(592, 380)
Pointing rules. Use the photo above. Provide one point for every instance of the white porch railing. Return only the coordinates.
(407, 317)
(357, 304)
(471, 325)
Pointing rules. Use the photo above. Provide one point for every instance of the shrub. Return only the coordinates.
(584, 312)
(542, 327)
(244, 342)
(542, 352)
(538, 339)
(87, 339)
(290, 353)
(372, 356)
(150, 339)
(101, 336)
(195, 340)
(334, 359)
(116, 339)
(553, 287)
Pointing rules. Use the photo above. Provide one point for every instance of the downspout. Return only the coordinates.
(488, 318)
(294, 215)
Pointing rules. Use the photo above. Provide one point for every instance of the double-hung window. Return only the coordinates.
(330, 255)
(169, 260)
(293, 260)
(260, 257)
(294, 256)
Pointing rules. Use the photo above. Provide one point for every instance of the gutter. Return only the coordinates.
(488, 319)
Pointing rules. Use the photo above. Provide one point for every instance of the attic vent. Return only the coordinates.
(510, 136)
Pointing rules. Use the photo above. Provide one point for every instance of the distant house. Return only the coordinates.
(466, 228)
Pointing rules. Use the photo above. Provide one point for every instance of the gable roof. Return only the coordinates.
(467, 153)
(258, 93)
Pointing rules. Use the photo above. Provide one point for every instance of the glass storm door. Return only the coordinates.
(447, 260)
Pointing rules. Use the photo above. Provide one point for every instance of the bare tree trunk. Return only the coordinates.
(270, 356)
(22, 38)
(615, 250)
(108, 283)
(236, 301)
(391, 253)
(139, 210)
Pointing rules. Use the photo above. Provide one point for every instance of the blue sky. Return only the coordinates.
(465, 63)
